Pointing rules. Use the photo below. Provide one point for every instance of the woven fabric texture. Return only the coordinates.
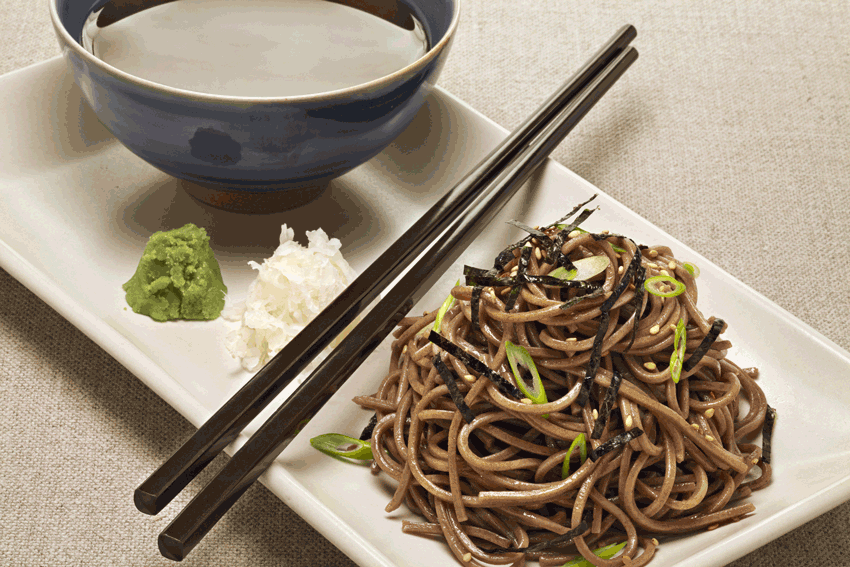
(731, 132)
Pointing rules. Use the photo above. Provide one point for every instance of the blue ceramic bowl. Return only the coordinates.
(254, 153)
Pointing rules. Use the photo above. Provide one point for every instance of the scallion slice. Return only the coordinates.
(584, 269)
(606, 552)
(447, 304)
(678, 356)
(579, 442)
(339, 445)
(518, 357)
(692, 269)
(653, 286)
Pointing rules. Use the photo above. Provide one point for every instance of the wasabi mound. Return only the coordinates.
(178, 277)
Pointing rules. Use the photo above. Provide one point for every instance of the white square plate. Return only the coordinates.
(76, 210)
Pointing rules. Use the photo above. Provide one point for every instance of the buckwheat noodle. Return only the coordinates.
(493, 487)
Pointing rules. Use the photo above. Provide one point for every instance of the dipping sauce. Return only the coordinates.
(255, 48)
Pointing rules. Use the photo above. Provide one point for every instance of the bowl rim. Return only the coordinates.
(363, 88)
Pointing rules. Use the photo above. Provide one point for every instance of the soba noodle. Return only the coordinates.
(489, 481)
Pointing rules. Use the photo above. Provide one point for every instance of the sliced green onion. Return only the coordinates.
(678, 356)
(582, 451)
(653, 286)
(617, 249)
(447, 304)
(692, 269)
(518, 356)
(606, 552)
(585, 269)
(339, 445)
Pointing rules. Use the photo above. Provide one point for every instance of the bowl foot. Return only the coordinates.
(256, 202)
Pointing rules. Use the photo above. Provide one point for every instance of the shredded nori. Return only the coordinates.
(503, 385)
(767, 434)
(703, 347)
(366, 434)
(558, 282)
(559, 540)
(614, 443)
(607, 405)
(448, 377)
(539, 235)
(605, 317)
(553, 252)
(574, 301)
(544, 545)
(475, 304)
(522, 268)
(637, 303)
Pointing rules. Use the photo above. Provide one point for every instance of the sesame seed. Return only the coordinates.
(526, 401)
(535, 242)
(712, 527)
(653, 265)
(709, 438)
(574, 234)
(664, 272)
(595, 414)
(469, 378)
(467, 557)
(755, 461)
(629, 421)
(672, 327)
(653, 253)
(572, 340)
(655, 541)
(709, 413)
(695, 426)
(527, 245)
(650, 366)
(538, 254)
(620, 270)
(655, 329)
(671, 265)
(404, 349)
(606, 231)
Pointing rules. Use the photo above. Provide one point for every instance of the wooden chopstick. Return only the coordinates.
(202, 513)
(225, 424)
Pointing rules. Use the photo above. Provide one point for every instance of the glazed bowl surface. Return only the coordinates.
(251, 153)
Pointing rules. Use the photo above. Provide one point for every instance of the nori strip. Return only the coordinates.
(522, 267)
(605, 308)
(561, 539)
(553, 252)
(703, 347)
(574, 301)
(366, 434)
(503, 385)
(544, 545)
(614, 443)
(477, 276)
(504, 258)
(767, 434)
(475, 305)
(558, 282)
(607, 405)
(448, 377)
(637, 303)
(539, 235)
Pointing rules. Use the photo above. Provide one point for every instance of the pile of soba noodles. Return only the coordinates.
(668, 442)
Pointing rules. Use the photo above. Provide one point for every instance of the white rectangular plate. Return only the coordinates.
(76, 210)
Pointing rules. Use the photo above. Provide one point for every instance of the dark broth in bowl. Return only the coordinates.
(256, 48)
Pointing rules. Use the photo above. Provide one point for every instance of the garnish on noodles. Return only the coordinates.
(556, 418)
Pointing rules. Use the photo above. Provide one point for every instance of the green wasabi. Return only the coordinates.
(178, 277)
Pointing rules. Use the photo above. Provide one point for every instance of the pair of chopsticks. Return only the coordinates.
(418, 259)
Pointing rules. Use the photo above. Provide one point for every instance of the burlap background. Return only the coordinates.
(732, 132)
